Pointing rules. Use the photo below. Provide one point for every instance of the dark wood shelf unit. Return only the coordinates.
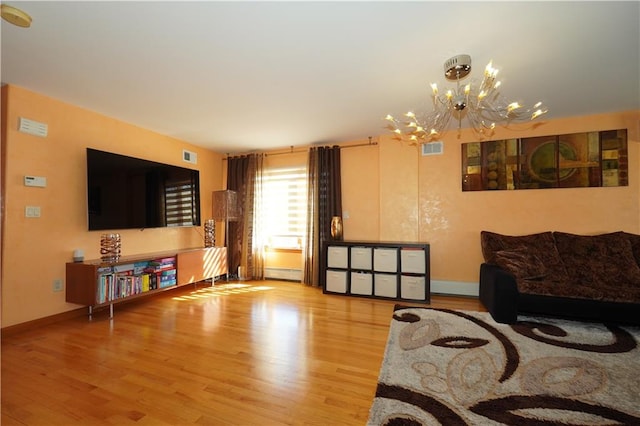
(387, 270)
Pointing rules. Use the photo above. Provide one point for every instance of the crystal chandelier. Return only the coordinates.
(481, 104)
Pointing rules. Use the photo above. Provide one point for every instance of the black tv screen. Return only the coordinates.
(125, 192)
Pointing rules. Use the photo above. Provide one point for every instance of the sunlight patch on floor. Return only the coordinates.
(218, 290)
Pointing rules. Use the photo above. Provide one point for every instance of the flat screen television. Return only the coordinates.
(126, 193)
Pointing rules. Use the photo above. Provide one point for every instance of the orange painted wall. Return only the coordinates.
(35, 250)
(390, 193)
(420, 198)
(360, 173)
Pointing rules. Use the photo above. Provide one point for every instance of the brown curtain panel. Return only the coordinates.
(324, 201)
(243, 173)
(252, 249)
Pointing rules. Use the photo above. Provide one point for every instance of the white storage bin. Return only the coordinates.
(361, 283)
(336, 281)
(412, 261)
(412, 287)
(337, 257)
(361, 258)
(385, 259)
(386, 285)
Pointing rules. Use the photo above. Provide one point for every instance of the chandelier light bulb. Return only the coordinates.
(477, 103)
(489, 71)
(513, 106)
(537, 113)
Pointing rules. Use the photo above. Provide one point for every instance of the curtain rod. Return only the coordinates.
(294, 151)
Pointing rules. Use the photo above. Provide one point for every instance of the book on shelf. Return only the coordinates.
(159, 268)
(120, 281)
(145, 282)
(105, 270)
(123, 268)
(105, 283)
(139, 267)
(168, 282)
(153, 281)
(166, 263)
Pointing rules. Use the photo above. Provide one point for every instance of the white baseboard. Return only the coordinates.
(283, 274)
(455, 288)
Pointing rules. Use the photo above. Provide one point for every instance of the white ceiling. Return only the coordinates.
(242, 76)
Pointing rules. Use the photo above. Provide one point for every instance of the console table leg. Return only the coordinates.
(90, 311)
(110, 310)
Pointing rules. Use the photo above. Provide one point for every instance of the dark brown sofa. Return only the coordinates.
(586, 277)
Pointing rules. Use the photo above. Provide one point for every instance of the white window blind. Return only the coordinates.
(285, 206)
(178, 201)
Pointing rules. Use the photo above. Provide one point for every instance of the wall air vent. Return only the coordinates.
(33, 127)
(432, 148)
(189, 157)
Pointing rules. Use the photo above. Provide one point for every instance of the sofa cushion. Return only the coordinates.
(618, 293)
(599, 261)
(521, 263)
(541, 245)
(635, 245)
(548, 288)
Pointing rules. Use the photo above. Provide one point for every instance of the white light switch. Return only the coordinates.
(35, 181)
(32, 211)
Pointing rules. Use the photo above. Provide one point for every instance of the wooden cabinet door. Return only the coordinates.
(201, 264)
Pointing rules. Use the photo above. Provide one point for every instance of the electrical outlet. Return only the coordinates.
(32, 211)
(58, 285)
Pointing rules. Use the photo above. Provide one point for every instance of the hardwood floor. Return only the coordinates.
(254, 353)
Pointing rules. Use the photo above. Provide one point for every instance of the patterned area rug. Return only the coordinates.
(444, 367)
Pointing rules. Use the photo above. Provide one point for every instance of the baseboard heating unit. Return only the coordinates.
(283, 274)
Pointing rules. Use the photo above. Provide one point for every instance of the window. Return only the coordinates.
(285, 207)
(179, 201)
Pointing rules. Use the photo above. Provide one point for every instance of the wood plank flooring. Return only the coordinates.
(253, 353)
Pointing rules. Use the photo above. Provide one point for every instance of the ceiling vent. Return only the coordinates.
(432, 148)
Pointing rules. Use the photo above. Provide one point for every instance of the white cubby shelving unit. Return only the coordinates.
(388, 270)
